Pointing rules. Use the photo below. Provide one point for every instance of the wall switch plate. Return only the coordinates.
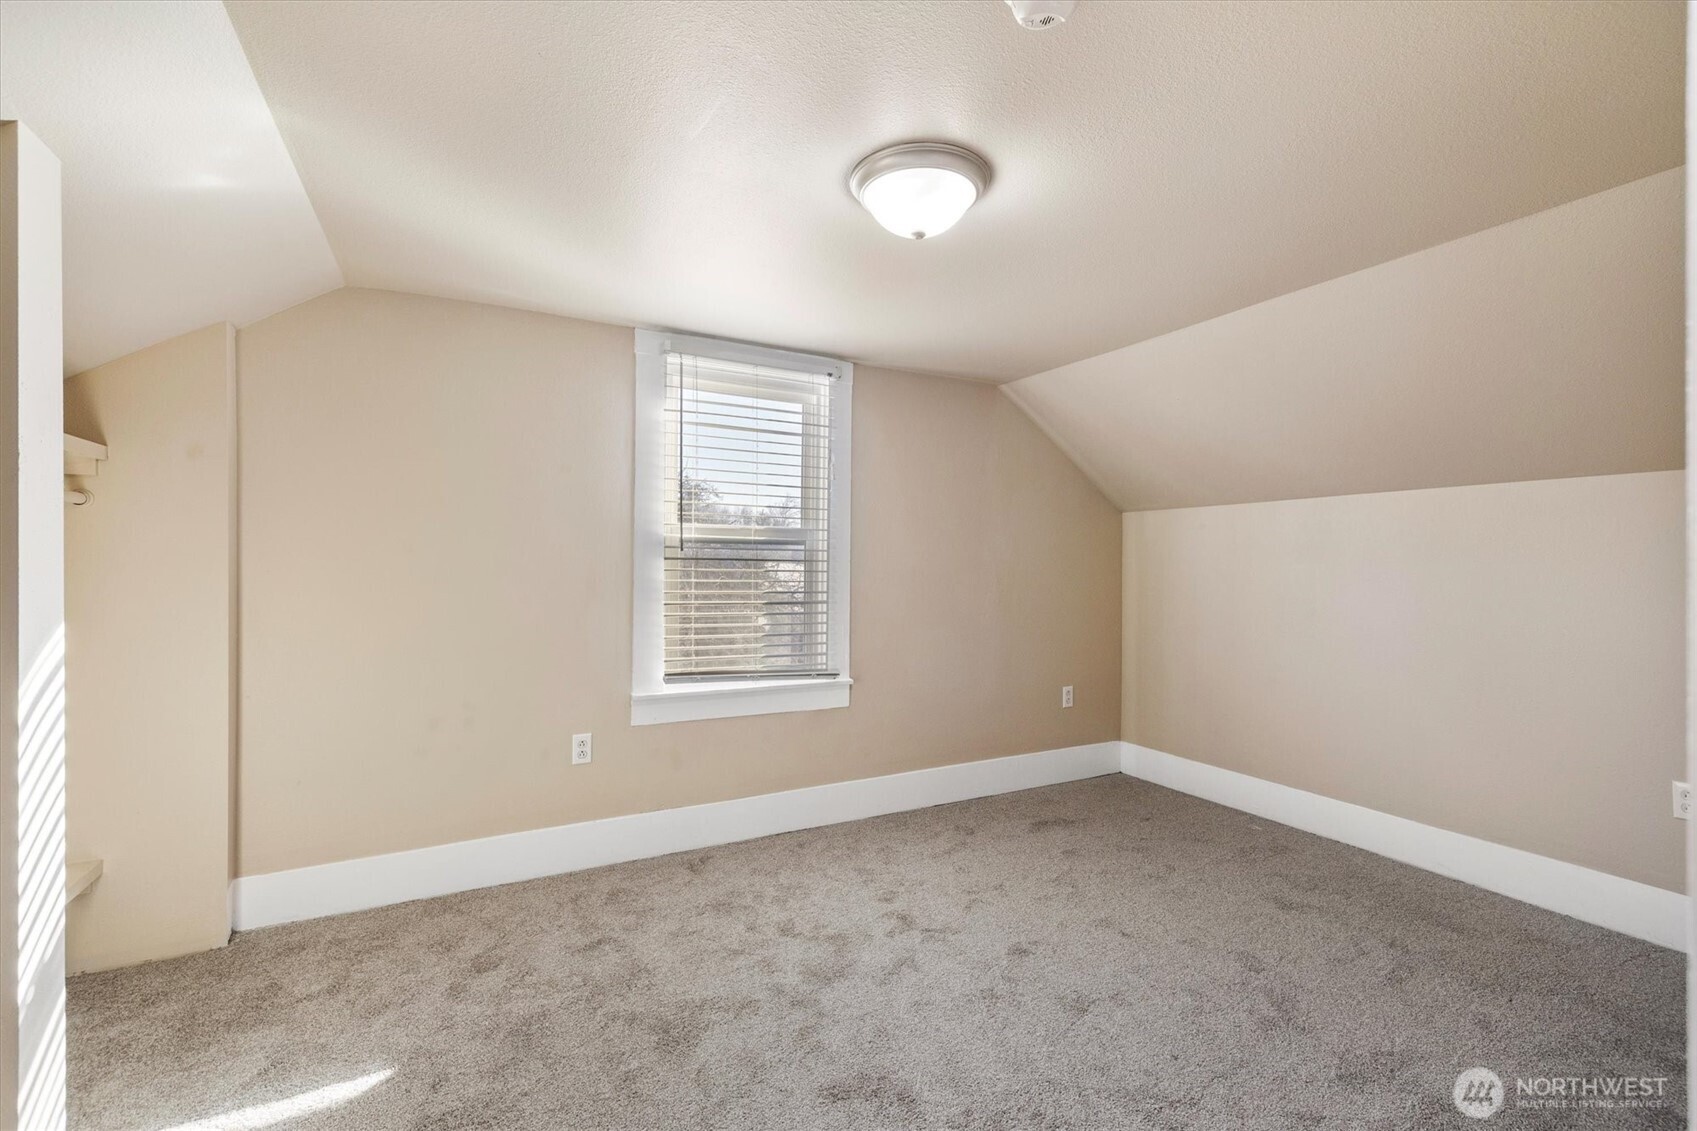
(1682, 800)
(1066, 696)
(580, 749)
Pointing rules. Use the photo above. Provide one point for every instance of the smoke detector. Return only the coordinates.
(1039, 15)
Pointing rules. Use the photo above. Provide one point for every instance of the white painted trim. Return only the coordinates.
(1650, 913)
(648, 572)
(726, 700)
(376, 881)
(652, 699)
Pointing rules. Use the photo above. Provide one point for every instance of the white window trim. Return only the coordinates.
(652, 700)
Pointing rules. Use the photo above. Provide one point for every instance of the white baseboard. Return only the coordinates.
(1623, 905)
(375, 881)
(1650, 913)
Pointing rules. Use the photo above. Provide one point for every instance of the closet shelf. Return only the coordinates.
(79, 874)
(82, 457)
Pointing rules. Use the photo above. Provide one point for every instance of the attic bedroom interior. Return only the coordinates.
(849, 564)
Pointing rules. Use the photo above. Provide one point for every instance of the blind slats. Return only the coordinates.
(747, 504)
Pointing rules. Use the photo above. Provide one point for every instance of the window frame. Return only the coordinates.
(653, 700)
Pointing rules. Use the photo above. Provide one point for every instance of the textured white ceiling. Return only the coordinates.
(1549, 347)
(683, 164)
(181, 206)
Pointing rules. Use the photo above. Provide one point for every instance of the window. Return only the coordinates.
(742, 524)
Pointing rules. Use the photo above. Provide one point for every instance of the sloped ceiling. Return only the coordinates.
(181, 206)
(1548, 347)
(1164, 173)
(1155, 165)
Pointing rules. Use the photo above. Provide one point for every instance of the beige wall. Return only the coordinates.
(148, 613)
(1505, 661)
(436, 548)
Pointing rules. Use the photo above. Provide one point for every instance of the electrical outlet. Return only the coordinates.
(580, 749)
(1066, 696)
(1682, 800)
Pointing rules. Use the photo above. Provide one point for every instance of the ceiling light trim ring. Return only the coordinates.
(920, 155)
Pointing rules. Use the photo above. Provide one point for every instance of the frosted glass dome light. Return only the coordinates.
(920, 189)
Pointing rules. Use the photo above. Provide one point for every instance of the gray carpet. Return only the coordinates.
(1105, 954)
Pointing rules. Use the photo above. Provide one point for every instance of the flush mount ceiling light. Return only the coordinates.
(919, 189)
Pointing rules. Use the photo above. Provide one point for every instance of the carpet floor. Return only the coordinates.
(1103, 954)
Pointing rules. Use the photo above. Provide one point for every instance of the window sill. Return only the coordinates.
(740, 697)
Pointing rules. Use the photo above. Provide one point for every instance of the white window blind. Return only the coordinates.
(747, 541)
